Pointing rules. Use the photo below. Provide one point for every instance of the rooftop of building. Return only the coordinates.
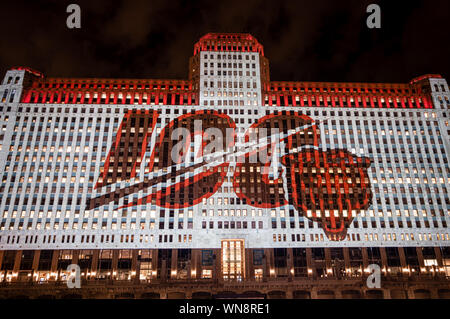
(217, 42)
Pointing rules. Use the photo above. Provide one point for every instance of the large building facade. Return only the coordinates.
(224, 184)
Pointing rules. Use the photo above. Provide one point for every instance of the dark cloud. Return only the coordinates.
(304, 40)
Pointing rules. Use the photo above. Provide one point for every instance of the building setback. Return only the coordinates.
(299, 185)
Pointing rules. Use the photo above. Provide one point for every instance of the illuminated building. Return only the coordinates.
(87, 178)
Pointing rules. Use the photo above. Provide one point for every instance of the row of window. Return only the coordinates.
(10, 80)
(232, 224)
(85, 239)
(229, 65)
(230, 84)
(5, 98)
(77, 97)
(367, 237)
(302, 87)
(309, 112)
(344, 101)
(229, 56)
(231, 103)
(107, 85)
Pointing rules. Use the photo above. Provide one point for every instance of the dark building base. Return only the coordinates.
(276, 289)
(275, 273)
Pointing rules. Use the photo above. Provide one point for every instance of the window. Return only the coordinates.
(233, 259)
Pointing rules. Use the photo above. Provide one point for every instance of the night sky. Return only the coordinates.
(304, 40)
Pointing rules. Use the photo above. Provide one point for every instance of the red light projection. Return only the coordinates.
(270, 192)
(129, 147)
(204, 184)
(329, 187)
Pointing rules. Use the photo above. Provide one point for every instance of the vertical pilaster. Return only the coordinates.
(217, 271)
(2, 252)
(135, 266)
(17, 260)
(94, 264)
(438, 253)
(346, 259)
(266, 264)
(290, 263)
(365, 258)
(250, 269)
(384, 264)
(198, 264)
(189, 267)
(403, 264)
(35, 264)
(155, 263)
(54, 263)
(115, 262)
(193, 263)
(75, 255)
(270, 262)
(174, 264)
(327, 260)
(309, 264)
(163, 270)
(420, 257)
(36, 256)
(401, 254)
(383, 258)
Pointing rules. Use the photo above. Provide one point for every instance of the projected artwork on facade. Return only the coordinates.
(328, 187)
